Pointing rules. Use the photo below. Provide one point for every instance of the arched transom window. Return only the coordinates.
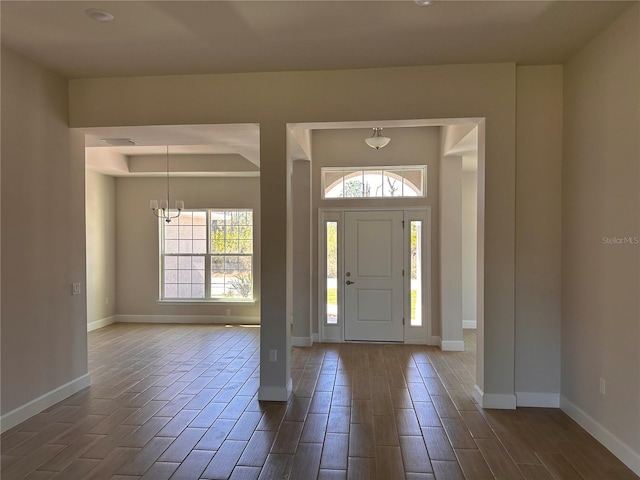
(374, 182)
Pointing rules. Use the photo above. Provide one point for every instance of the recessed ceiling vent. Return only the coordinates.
(119, 142)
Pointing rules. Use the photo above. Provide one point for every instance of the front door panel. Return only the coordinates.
(373, 283)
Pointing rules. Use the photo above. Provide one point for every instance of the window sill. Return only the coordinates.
(206, 302)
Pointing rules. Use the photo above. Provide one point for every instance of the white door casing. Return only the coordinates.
(373, 281)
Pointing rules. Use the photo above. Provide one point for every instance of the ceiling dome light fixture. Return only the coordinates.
(99, 15)
(423, 3)
(376, 140)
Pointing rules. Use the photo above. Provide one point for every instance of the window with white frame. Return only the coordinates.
(374, 182)
(207, 255)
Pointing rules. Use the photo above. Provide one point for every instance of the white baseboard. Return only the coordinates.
(35, 406)
(616, 446)
(501, 401)
(212, 319)
(452, 345)
(435, 341)
(469, 324)
(301, 341)
(536, 399)
(103, 322)
(272, 393)
(315, 337)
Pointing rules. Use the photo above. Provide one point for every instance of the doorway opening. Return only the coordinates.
(331, 171)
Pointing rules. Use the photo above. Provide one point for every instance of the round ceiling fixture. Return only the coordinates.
(424, 3)
(99, 15)
(377, 140)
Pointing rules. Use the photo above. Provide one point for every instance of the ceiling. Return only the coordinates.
(187, 37)
(215, 146)
(192, 37)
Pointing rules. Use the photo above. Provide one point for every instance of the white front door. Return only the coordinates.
(373, 283)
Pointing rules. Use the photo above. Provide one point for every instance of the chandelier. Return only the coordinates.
(161, 208)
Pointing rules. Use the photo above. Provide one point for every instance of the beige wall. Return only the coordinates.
(538, 233)
(469, 244)
(137, 242)
(44, 327)
(601, 200)
(101, 248)
(451, 251)
(301, 252)
(275, 99)
(408, 146)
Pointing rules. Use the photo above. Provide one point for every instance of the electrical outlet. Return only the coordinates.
(106, 300)
(228, 312)
(75, 289)
(603, 386)
(273, 355)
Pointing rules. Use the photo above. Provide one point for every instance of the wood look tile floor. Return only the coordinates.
(180, 402)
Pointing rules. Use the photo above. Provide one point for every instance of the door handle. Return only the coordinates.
(349, 282)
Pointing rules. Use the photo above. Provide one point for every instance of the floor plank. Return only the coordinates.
(180, 402)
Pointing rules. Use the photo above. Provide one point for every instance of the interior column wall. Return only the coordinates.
(451, 252)
(538, 235)
(101, 249)
(469, 247)
(275, 334)
(301, 204)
